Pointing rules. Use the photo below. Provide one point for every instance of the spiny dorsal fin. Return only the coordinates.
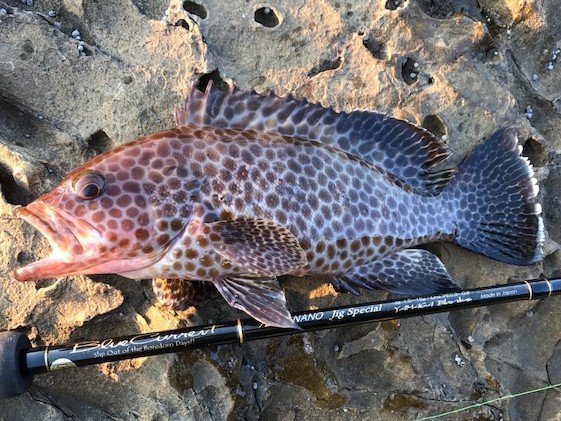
(399, 147)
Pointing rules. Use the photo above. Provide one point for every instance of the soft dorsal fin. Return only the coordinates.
(399, 147)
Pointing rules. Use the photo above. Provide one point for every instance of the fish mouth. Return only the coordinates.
(69, 239)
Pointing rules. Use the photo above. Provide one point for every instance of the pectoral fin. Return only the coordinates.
(261, 298)
(260, 247)
(409, 272)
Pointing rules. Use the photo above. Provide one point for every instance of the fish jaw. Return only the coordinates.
(73, 243)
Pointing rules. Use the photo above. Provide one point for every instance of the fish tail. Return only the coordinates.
(493, 202)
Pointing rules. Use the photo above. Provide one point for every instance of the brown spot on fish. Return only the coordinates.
(331, 251)
(141, 234)
(206, 261)
(163, 239)
(191, 253)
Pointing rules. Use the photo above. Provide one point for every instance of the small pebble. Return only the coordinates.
(75, 33)
(40, 117)
(413, 75)
(444, 138)
(27, 136)
(554, 57)
(51, 13)
(535, 77)
(529, 313)
(459, 361)
(416, 65)
(508, 31)
(336, 348)
(29, 2)
(545, 51)
(470, 339)
(550, 66)
(529, 112)
(496, 53)
(267, 10)
(3, 12)
(254, 385)
(80, 48)
(58, 25)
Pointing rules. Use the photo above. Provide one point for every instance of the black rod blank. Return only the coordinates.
(43, 359)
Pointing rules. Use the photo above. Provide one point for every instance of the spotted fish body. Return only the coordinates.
(247, 188)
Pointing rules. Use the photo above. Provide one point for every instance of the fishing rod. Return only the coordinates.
(19, 361)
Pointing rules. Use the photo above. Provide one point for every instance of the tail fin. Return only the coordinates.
(493, 193)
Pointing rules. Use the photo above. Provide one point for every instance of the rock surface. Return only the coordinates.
(458, 70)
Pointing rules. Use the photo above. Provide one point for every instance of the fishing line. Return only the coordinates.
(502, 398)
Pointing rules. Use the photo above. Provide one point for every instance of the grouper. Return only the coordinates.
(246, 188)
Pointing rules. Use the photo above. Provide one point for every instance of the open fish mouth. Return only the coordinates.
(68, 238)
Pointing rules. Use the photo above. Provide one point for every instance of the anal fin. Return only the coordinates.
(261, 298)
(409, 272)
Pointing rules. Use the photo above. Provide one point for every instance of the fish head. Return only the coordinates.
(118, 213)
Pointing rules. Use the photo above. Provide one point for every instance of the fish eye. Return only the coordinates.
(89, 185)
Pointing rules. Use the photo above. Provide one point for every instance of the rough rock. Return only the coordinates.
(458, 70)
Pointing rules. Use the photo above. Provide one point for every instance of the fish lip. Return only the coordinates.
(60, 230)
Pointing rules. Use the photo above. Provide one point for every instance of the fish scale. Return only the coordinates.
(247, 188)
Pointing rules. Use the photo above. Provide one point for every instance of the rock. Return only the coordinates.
(511, 12)
(440, 64)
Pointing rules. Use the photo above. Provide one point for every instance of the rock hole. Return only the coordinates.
(195, 9)
(466, 344)
(430, 80)
(183, 23)
(267, 17)
(375, 47)
(325, 66)
(394, 4)
(435, 125)
(28, 50)
(486, 48)
(44, 283)
(11, 190)
(446, 9)
(85, 50)
(24, 258)
(216, 79)
(535, 152)
(127, 80)
(410, 71)
(100, 142)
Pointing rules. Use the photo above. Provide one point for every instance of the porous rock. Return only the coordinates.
(443, 64)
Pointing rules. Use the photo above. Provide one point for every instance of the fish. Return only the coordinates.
(246, 188)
